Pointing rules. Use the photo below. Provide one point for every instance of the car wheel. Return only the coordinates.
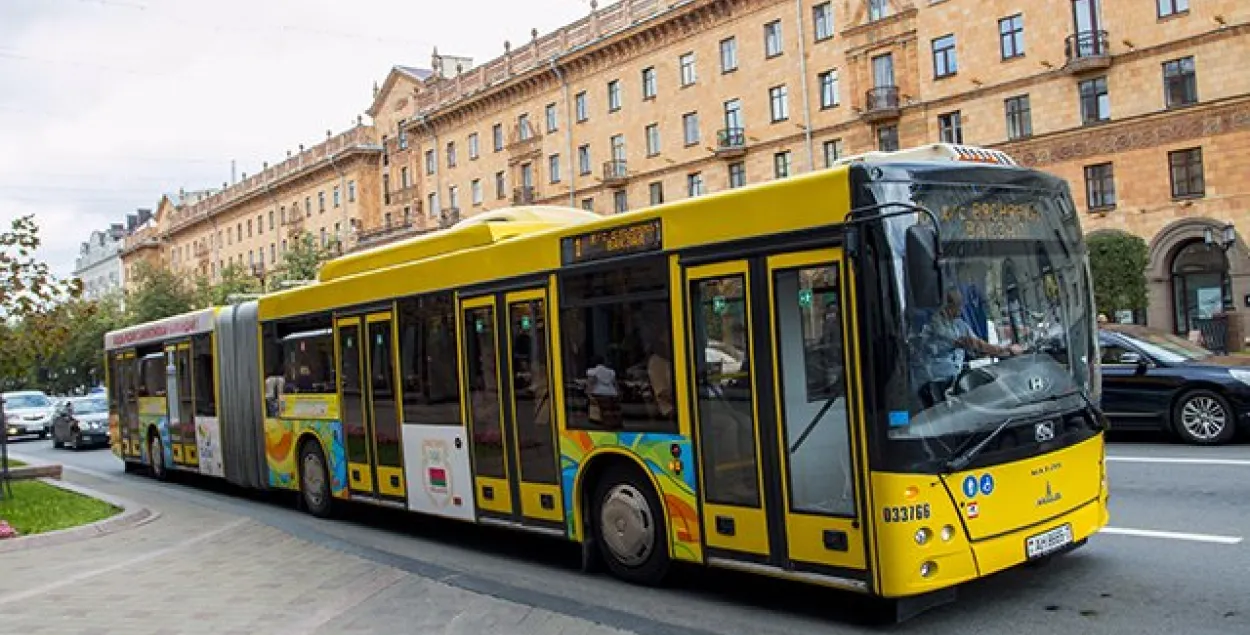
(629, 526)
(157, 457)
(1203, 417)
(314, 480)
(57, 443)
(77, 440)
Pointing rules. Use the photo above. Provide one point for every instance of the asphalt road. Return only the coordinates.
(1177, 560)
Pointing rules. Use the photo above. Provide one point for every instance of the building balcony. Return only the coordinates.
(615, 173)
(1087, 51)
(403, 195)
(881, 104)
(448, 216)
(524, 195)
(731, 143)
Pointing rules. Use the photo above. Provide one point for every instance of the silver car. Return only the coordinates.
(28, 412)
(81, 422)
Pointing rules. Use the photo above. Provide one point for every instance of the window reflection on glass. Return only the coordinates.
(813, 390)
(352, 409)
(531, 388)
(382, 395)
(427, 358)
(482, 378)
(726, 413)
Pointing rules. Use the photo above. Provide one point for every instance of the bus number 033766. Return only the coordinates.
(906, 513)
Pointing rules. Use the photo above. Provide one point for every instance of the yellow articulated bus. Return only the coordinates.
(879, 377)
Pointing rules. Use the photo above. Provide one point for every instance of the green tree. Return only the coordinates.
(157, 293)
(302, 259)
(79, 364)
(29, 299)
(1117, 262)
(235, 280)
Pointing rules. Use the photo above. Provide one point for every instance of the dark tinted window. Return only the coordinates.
(617, 347)
(427, 358)
(204, 373)
(299, 357)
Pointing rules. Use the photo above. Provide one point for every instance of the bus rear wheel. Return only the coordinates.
(314, 480)
(156, 455)
(629, 527)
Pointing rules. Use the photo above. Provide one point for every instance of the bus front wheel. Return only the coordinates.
(629, 526)
(314, 481)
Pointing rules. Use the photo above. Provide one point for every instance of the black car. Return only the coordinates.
(81, 422)
(1153, 380)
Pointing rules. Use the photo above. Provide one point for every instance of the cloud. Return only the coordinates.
(106, 104)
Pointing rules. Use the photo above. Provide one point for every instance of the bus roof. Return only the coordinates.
(933, 152)
(184, 325)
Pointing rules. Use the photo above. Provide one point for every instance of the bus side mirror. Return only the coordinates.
(924, 275)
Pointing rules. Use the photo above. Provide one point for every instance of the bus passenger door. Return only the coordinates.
(182, 427)
(529, 417)
(479, 349)
(173, 402)
(726, 413)
(370, 406)
(128, 405)
(817, 406)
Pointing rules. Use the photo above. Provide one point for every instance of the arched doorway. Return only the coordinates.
(1201, 285)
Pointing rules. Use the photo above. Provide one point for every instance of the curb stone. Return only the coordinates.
(132, 515)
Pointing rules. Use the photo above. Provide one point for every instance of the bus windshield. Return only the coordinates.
(1010, 339)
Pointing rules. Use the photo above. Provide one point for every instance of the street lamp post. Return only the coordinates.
(1226, 239)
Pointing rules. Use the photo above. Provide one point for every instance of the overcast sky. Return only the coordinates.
(105, 104)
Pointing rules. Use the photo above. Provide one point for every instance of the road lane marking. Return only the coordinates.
(79, 577)
(1172, 535)
(1178, 460)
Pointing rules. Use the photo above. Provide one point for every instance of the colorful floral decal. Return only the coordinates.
(280, 448)
(675, 475)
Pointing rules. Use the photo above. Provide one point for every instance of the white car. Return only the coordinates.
(28, 412)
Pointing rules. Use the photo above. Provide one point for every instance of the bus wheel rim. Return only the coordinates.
(314, 479)
(1203, 417)
(158, 460)
(627, 525)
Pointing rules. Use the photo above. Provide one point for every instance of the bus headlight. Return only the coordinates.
(923, 535)
(948, 532)
(928, 568)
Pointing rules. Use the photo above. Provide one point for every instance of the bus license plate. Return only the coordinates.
(1049, 542)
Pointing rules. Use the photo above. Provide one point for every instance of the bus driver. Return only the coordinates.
(945, 340)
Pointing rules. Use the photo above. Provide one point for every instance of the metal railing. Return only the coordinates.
(1086, 45)
(731, 139)
(524, 195)
(881, 98)
(615, 170)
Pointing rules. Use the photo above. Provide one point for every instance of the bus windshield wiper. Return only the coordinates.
(961, 458)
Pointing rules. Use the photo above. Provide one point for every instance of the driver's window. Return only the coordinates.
(1116, 354)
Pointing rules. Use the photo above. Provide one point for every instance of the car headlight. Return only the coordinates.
(1240, 374)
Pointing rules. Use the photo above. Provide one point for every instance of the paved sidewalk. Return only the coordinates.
(196, 570)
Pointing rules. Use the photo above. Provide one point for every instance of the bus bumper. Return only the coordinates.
(1040, 541)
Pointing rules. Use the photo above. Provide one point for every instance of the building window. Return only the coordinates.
(614, 95)
(500, 185)
(321, 201)
(737, 174)
(588, 204)
(887, 138)
(273, 253)
(473, 147)
(878, 9)
(453, 197)
(433, 202)
(403, 178)
(451, 154)
(620, 202)
(690, 128)
(944, 64)
(475, 190)
(430, 162)
(656, 190)
(583, 159)
(338, 202)
(580, 108)
(778, 103)
(386, 151)
(1185, 167)
(653, 139)
(648, 83)
(1095, 102)
(1172, 7)
(950, 128)
(1099, 186)
(497, 134)
(781, 164)
(686, 63)
(772, 39)
(829, 89)
(822, 17)
(728, 55)
(832, 151)
(694, 184)
(308, 206)
(1011, 36)
(1180, 82)
(553, 121)
(407, 218)
(1019, 117)
(553, 168)
(524, 132)
(271, 213)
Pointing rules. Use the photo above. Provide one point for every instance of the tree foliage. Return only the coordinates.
(79, 364)
(302, 259)
(157, 292)
(34, 327)
(235, 280)
(1117, 262)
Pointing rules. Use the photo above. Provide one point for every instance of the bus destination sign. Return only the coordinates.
(612, 242)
